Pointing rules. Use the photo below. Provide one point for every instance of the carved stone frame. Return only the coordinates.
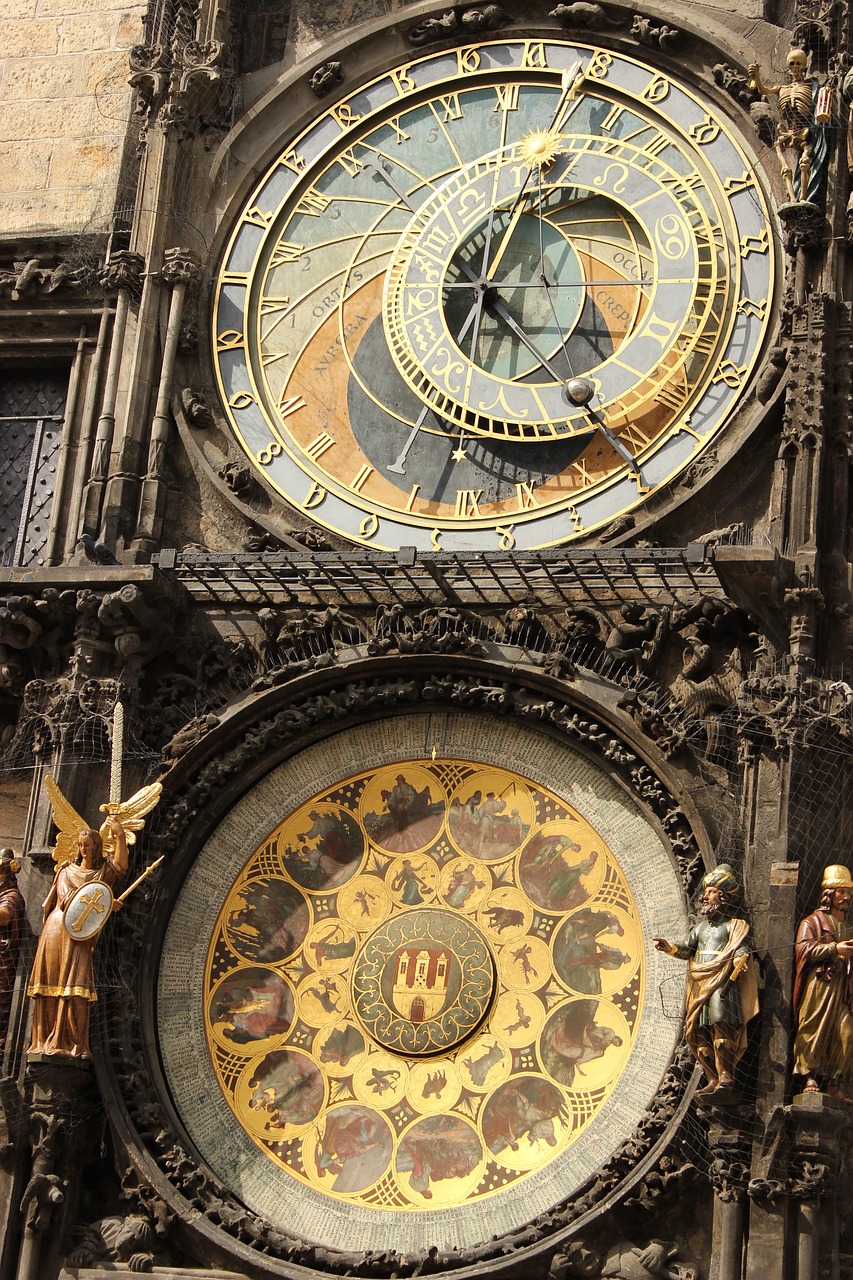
(261, 731)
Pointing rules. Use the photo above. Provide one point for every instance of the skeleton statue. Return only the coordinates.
(802, 115)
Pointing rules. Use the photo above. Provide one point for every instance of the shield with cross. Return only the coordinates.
(88, 911)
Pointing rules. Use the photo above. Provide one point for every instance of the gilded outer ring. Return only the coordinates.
(423, 982)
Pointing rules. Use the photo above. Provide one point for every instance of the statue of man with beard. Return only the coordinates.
(722, 993)
(823, 989)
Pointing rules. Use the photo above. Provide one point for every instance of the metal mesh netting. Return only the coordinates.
(814, 799)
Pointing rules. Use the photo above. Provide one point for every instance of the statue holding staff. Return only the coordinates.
(722, 992)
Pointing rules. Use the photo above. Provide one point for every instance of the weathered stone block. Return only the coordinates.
(23, 38)
(24, 165)
(63, 8)
(130, 28)
(79, 160)
(86, 34)
(18, 10)
(35, 78)
(80, 116)
(34, 212)
(108, 71)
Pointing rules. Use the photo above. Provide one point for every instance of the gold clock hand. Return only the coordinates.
(580, 391)
(555, 284)
(527, 341)
(571, 82)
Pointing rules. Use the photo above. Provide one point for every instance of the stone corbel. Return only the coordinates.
(150, 67)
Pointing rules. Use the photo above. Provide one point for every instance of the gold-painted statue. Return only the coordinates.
(823, 989)
(722, 992)
(89, 862)
(803, 111)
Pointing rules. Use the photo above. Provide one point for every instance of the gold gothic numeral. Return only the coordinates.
(749, 307)
(241, 400)
(534, 54)
(345, 115)
(656, 90)
(399, 132)
(467, 60)
(402, 81)
(315, 495)
(286, 251)
(229, 340)
(731, 374)
(451, 106)
(294, 161)
(313, 203)
(257, 217)
(350, 162)
(705, 131)
(290, 404)
(754, 244)
(733, 186)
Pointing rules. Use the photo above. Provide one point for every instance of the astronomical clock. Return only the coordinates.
(494, 298)
(404, 988)
(417, 1002)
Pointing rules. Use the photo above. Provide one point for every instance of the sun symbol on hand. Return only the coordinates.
(540, 146)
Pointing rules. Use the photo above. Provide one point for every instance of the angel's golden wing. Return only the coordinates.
(67, 821)
(131, 813)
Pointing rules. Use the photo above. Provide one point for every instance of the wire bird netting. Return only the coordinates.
(812, 799)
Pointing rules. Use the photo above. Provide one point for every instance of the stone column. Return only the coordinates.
(180, 268)
(124, 272)
(821, 1128)
(60, 1095)
(728, 1173)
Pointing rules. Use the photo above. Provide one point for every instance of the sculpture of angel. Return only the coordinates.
(62, 985)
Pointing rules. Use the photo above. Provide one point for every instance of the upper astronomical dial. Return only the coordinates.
(414, 283)
(465, 238)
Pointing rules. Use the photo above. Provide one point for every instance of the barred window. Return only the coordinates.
(32, 407)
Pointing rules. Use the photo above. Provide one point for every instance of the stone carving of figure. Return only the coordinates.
(801, 126)
(621, 1261)
(823, 988)
(12, 920)
(722, 992)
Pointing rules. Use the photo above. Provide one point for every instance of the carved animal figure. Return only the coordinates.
(585, 14)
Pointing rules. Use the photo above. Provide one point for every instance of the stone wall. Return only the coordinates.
(64, 105)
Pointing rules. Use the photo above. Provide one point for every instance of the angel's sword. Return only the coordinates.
(117, 751)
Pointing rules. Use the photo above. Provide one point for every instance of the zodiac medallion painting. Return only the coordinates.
(423, 985)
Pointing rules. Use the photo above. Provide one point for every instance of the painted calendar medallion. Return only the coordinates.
(436, 1006)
